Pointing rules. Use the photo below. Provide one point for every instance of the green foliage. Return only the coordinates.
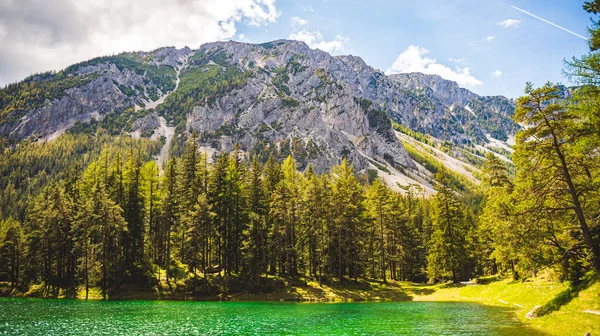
(290, 103)
(200, 85)
(27, 167)
(448, 246)
(458, 182)
(119, 222)
(557, 165)
(424, 138)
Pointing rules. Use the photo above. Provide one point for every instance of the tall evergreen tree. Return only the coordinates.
(348, 211)
(558, 168)
(134, 215)
(447, 245)
(11, 244)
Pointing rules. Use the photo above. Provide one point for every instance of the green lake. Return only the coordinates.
(72, 317)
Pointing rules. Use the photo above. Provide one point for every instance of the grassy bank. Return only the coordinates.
(569, 317)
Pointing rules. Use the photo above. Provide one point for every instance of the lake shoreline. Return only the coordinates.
(361, 291)
(516, 297)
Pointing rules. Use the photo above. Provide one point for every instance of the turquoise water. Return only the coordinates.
(71, 317)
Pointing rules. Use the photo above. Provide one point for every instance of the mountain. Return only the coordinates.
(276, 98)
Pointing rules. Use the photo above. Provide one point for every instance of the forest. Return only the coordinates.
(227, 223)
(95, 211)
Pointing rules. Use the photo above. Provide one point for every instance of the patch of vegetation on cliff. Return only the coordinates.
(35, 91)
(162, 76)
(200, 85)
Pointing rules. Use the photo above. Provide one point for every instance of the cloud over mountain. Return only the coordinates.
(414, 59)
(43, 35)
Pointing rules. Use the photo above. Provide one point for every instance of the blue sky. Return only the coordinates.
(461, 33)
(469, 41)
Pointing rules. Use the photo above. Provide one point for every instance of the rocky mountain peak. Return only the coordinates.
(275, 98)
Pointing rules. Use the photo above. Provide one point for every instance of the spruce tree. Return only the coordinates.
(447, 245)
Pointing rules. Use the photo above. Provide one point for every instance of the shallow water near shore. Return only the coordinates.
(73, 317)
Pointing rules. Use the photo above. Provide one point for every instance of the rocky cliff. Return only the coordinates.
(275, 98)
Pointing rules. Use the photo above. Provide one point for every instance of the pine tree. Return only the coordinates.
(314, 219)
(50, 240)
(285, 212)
(199, 231)
(495, 172)
(220, 204)
(11, 241)
(169, 219)
(557, 166)
(236, 195)
(254, 247)
(348, 214)
(134, 216)
(150, 192)
(272, 176)
(107, 217)
(378, 201)
(447, 245)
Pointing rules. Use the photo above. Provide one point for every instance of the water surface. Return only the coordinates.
(72, 317)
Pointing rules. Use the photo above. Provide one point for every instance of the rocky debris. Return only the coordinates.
(147, 124)
(170, 56)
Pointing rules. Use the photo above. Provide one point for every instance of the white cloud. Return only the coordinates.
(315, 40)
(242, 37)
(490, 38)
(309, 9)
(47, 35)
(509, 23)
(298, 21)
(497, 73)
(414, 60)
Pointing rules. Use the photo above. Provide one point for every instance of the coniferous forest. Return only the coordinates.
(227, 223)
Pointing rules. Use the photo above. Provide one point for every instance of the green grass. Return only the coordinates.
(568, 319)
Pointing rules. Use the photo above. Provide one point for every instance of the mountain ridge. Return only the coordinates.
(275, 98)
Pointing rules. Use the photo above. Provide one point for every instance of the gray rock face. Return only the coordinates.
(106, 85)
(286, 99)
(294, 102)
(474, 115)
(448, 92)
(147, 124)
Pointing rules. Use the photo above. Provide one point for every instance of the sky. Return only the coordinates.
(492, 47)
